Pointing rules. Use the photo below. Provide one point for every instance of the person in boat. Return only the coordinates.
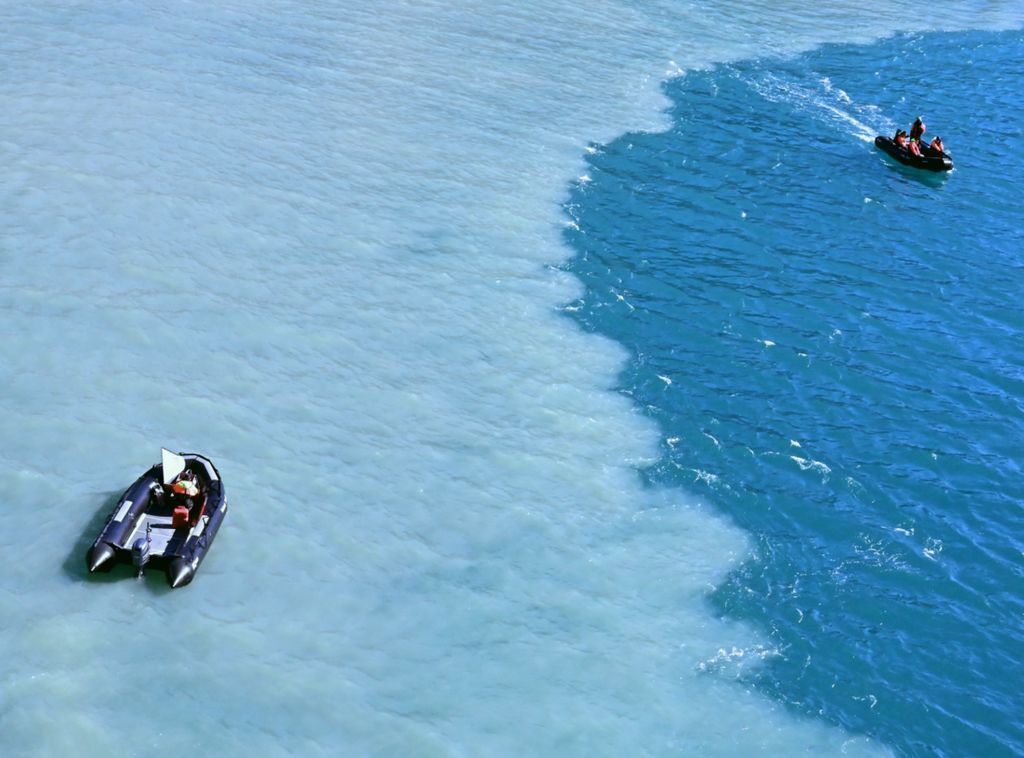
(914, 147)
(936, 144)
(901, 138)
(185, 487)
(916, 130)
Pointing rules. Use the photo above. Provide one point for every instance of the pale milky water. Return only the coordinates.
(314, 242)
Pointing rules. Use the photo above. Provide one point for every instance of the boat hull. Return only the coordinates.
(930, 160)
(145, 509)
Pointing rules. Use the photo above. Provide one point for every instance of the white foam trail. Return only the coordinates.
(829, 104)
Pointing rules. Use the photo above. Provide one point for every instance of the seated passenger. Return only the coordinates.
(936, 144)
(185, 486)
(916, 129)
(900, 138)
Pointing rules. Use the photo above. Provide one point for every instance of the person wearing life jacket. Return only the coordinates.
(185, 486)
(914, 146)
(900, 138)
(916, 130)
(936, 144)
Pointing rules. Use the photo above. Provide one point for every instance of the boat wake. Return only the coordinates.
(826, 103)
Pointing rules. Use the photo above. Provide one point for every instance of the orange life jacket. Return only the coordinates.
(184, 487)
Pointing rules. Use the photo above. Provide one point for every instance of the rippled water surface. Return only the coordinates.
(319, 243)
(832, 345)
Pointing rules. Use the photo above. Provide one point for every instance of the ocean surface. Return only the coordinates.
(582, 379)
(832, 346)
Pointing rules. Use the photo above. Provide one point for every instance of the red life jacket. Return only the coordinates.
(183, 487)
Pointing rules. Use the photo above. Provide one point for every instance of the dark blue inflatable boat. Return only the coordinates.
(930, 160)
(167, 519)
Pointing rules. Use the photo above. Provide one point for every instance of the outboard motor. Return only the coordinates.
(140, 549)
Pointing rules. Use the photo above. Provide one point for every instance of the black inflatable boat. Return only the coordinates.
(167, 519)
(930, 160)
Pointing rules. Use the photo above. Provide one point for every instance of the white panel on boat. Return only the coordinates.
(173, 464)
(123, 510)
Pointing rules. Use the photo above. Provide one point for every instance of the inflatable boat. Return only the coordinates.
(930, 160)
(166, 520)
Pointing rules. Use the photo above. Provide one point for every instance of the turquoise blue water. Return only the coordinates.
(322, 243)
(832, 346)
